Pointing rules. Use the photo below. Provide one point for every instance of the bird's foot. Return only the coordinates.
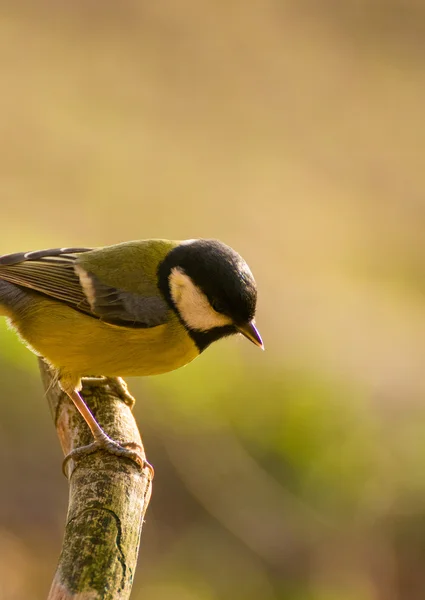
(130, 450)
(117, 385)
(120, 388)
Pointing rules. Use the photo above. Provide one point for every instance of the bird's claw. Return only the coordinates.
(130, 450)
(117, 385)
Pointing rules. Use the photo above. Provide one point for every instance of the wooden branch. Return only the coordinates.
(108, 498)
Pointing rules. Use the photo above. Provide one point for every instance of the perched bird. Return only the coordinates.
(137, 308)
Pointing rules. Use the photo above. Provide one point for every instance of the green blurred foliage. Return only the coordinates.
(293, 130)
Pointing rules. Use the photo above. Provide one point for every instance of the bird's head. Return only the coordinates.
(212, 290)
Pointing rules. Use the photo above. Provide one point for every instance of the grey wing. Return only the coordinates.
(123, 308)
(47, 255)
(54, 273)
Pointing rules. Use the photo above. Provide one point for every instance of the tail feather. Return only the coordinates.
(12, 299)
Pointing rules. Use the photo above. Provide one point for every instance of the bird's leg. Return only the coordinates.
(101, 440)
(116, 385)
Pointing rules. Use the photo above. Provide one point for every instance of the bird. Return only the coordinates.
(136, 308)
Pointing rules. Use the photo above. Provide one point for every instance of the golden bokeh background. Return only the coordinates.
(294, 131)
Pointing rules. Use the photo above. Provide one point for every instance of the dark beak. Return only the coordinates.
(250, 331)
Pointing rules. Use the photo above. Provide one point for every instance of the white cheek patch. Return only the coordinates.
(192, 304)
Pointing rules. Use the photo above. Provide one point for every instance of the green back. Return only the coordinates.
(130, 266)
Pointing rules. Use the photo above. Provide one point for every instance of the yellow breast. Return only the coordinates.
(80, 345)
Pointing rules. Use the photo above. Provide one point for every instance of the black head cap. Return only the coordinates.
(222, 275)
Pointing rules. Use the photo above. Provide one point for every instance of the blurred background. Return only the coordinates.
(294, 131)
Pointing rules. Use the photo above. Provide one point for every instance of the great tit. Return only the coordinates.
(137, 308)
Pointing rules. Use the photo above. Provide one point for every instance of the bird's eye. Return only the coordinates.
(218, 306)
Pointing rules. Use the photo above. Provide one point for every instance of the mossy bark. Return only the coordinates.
(108, 498)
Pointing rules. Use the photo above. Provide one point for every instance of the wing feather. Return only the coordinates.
(56, 273)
